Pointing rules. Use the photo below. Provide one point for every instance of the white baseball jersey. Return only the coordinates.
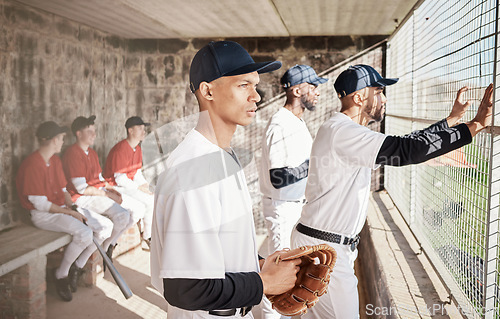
(338, 187)
(203, 223)
(286, 143)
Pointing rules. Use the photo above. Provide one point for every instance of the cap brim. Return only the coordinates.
(260, 67)
(319, 81)
(386, 82)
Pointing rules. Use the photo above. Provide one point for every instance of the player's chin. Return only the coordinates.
(247, 120)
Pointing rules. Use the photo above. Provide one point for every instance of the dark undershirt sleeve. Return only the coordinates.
(284, 176)
(236, 290)
(420, 146)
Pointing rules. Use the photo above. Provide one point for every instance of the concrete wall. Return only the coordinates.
(56, 69)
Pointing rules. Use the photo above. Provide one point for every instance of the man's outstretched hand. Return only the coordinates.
(484, 112)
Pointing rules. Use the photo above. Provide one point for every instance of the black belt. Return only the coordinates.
(331, 237)
(230, 312)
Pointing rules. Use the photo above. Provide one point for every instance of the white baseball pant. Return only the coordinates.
(281, 217)
(106, 206)
(136, 211)
(147, 200)
(342, 300)
(82, 245)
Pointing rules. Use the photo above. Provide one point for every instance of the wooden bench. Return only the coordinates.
(26, 252)
(23, 262)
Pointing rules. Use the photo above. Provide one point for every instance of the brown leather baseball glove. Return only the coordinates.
(312, 279)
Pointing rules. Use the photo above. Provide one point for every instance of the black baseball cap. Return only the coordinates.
(133, 121)
(224, 58)
(300, 74)
(82, 122)
(358, 77)
(49, 130)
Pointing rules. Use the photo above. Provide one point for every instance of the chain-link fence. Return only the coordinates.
(450, 203)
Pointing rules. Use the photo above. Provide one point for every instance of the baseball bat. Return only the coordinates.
(127, 293)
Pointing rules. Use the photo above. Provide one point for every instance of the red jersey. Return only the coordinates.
(122, 159)
(78, 164)
(37, 178)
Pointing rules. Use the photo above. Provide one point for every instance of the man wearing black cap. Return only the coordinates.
(343, 154)
(41, 187)
(87, 186)
(203, 248)
(123, 170)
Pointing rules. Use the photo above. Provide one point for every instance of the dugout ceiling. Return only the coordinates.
(232, 18)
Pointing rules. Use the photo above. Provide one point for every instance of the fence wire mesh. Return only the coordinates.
(451, 203)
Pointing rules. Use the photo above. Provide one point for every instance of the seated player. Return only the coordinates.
(41, 187)
(88, 188)
(123, 170)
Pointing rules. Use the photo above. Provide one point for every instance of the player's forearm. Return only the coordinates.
(423, 145)
(92, 191)
(122, 180)
(56, 209)
(475, 127)
(281, 177)
(236, 290)
(67, 199)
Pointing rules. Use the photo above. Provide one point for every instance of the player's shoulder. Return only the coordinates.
(193, 146)
(277, 122)
(55, 159)
(340, 121)
(118, 146)
(31, 161)
(71, 151)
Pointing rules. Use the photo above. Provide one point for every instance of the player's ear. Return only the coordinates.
(358, 98)
(296, 91)
(206, 91)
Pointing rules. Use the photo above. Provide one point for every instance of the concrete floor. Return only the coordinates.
(107, 302)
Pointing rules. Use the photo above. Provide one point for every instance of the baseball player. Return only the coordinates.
(123, 170)
(343, 154)
(88, 188)
(203, 249)
(286, 145)
(41, 187)
(284, 164)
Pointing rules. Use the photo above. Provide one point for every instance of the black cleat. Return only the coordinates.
(63, 290)
(74, 276)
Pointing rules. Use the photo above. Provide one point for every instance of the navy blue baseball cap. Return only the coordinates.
(300, 74)
(135, 120)
(82, 122)
(224, 58)
(358, 77)
(49, 130)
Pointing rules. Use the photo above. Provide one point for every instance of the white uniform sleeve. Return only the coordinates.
(278, 153)
(122, 180)
(41, 203)
(188, 231)
(80, 184)
(139, 178)
(357, 145)
(101, 178)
